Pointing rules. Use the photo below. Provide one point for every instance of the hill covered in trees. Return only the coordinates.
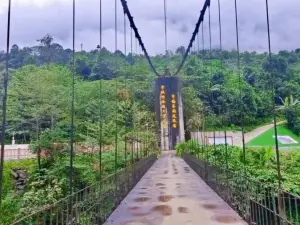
(210, 85)
(117, 90)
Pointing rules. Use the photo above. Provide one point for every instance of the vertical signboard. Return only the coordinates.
(163, 106)
(174, 111)
(168, 112)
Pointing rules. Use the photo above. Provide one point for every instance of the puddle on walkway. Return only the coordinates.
(225, 219)
(217, 207)
(142, 199)
(210, 206)
(182, 196)
(135, 223)
(139, 213)
(133, 208)
(183, 210)
(204, 199)
(165, 198)
(164, 210)
(173, 190)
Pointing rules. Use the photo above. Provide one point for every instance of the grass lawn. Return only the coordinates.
(266, 139)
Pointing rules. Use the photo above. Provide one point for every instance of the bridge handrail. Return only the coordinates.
(130, 175)
(255, 201)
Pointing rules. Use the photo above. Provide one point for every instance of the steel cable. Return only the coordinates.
(125, 39)
(240, 82)
(72, 102)
(203, 49)
(4, 98)
(274, 103)
(125, 84)
(131, 52)
(166, 34)
(100, 93)
(203, 133)
(116, 86)
(221, 69)
(211, 74)
(198, 44)
(220, 34)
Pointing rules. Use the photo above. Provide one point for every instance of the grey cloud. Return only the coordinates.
(32, 22)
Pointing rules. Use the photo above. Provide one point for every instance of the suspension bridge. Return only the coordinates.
(151, 184)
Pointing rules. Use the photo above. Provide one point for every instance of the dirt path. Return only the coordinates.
(171, 193)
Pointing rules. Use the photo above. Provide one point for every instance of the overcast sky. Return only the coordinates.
(32, 19)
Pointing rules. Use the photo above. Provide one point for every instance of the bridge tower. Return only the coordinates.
(169, 111)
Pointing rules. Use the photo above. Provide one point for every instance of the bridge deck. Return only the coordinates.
(171, 193)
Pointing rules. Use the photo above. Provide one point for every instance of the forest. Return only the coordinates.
(116, 91)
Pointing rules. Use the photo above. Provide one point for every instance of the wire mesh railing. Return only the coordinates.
(93, 204)
(258, 203)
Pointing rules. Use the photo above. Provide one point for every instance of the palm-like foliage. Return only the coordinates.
(287, 102)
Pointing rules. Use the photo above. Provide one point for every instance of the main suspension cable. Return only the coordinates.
(133, 26)
(4, 99)
(137, 35)
(200, 20)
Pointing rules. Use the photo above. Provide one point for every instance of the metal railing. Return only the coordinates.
(257, 203)
(93, 204)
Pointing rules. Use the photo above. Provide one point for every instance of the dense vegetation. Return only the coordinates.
(115, 90)
(209, 87)
(254, 176)
(260, 163)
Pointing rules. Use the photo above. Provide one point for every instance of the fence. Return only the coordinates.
(93, 204)
(258, 203)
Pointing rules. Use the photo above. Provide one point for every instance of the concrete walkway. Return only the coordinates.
(171, 193)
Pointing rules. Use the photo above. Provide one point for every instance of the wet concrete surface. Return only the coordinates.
(171, 193)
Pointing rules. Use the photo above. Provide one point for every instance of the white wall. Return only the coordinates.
(234, 137)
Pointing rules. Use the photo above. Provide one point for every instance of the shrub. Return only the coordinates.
(190, 146)
(260, 163)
